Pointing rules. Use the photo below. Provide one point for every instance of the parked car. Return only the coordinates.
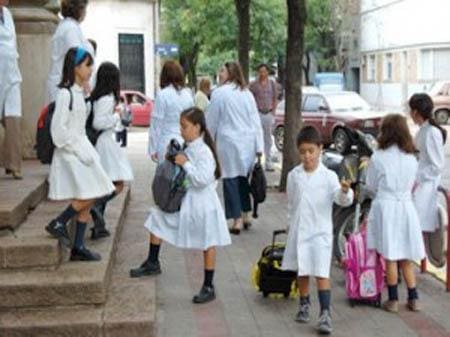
(328, 113)
(141, 107)
(440, 94)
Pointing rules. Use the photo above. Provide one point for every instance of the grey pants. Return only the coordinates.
(267, 121)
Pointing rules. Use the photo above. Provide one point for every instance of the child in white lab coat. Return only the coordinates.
(430, 140)
(393, 225)
(200, 223)
(311, 191)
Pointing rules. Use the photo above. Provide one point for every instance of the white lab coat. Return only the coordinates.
(393, 228)
(310, 202)
(233, 120)
(75, 171)
(200, 223)
(113, 158)
(165, 123)
(10, 77)
(68, 34)
(430, 144)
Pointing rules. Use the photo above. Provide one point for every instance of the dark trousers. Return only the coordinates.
(121, 137)
(236, 192)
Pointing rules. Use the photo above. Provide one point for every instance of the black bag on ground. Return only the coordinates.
(169, 183)
(258, 186)
(271, 278)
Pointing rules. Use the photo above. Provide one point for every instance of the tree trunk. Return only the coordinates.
(243, 15)
(294, 64)
(307, 68)
(188, 62)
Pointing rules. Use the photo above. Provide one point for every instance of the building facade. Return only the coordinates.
(405, 48)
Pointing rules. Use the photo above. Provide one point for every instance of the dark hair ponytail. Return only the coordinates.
(108, 82)
(423, 105)
(197, 117)
(70, 63)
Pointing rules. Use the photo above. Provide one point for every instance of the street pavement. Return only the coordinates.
(239, 309)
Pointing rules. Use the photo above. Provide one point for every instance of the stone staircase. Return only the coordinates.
(42, 294)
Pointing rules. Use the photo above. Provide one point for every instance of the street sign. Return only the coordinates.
(166, 49)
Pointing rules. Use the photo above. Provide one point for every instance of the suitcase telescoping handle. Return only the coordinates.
(276, 233)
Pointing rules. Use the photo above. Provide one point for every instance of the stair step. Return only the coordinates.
(22, 195)
(70, 283)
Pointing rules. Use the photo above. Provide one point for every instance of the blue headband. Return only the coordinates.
(79, 55)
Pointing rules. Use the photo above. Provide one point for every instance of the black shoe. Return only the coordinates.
(146, 269)
(247, 225)
(235, 231)
(8, 171)
(59, 231)
(206, 294)
(98, 233)
(84, 254)
(99, 229)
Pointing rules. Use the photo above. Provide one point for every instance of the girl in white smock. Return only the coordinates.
(105, 98)
(393, 225)
(169, 103)
(430, 140)
(75, 172)
(311, 190)
(200, 223)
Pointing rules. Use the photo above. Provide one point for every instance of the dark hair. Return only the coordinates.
(235, 74)
(108, 82)
(394, 131)
(423, 105)
(309, 134)
(263, 65)
(73, 8)
(197, 117)
(94, 44)
(68, 75)
(172, 73)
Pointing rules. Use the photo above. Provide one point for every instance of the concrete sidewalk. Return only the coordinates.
(239, 310)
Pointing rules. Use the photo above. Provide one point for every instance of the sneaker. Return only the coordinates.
(206, 294)
(84, 254)
(59, 231)
(146, 269)
(413, 305)
(303, 313)
(324, 325)
(391, 306)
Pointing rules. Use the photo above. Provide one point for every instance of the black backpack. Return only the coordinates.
(91, 132)
(258, 186)
(44, 142)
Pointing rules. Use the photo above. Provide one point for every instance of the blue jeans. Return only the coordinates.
(236, 192)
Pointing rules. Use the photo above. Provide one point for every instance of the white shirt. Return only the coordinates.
(201, 100)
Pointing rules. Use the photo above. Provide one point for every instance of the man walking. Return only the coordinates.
(10, 99)
(265, 91)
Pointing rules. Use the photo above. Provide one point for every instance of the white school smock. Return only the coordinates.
(113, 157)
(10, 77)
(75, 171)
(200, 223)
(310, 203)
(393, 228)
(233, 121)
(430, 143)
(68, 34)
(165, 123)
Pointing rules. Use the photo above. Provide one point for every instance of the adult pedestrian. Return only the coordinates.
(201, 99)
(233, 121)
(68, 34)
(169, 103)
(10, 99)
(265, 91)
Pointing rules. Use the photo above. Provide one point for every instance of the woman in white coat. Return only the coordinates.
(393, 225)
(105, 98)
(233, 120)
(200, 223)
(76, 172)
(430, 141)
(68, 34)
(169, 103)
(10, 100)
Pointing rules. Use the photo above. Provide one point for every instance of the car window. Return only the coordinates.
(347, 102)
(312, 103)
(137, 99)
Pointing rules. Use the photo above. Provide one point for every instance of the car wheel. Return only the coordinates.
(341, 141)
(442, 116)
(279, 137)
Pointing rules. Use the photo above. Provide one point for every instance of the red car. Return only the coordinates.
(328, 112)
(141, 107)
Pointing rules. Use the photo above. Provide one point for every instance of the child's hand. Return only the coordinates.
(180, 159)
(345, 185)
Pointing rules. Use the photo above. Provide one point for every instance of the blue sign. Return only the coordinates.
(166, 49)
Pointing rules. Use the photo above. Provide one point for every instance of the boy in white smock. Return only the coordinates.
(311, 190)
